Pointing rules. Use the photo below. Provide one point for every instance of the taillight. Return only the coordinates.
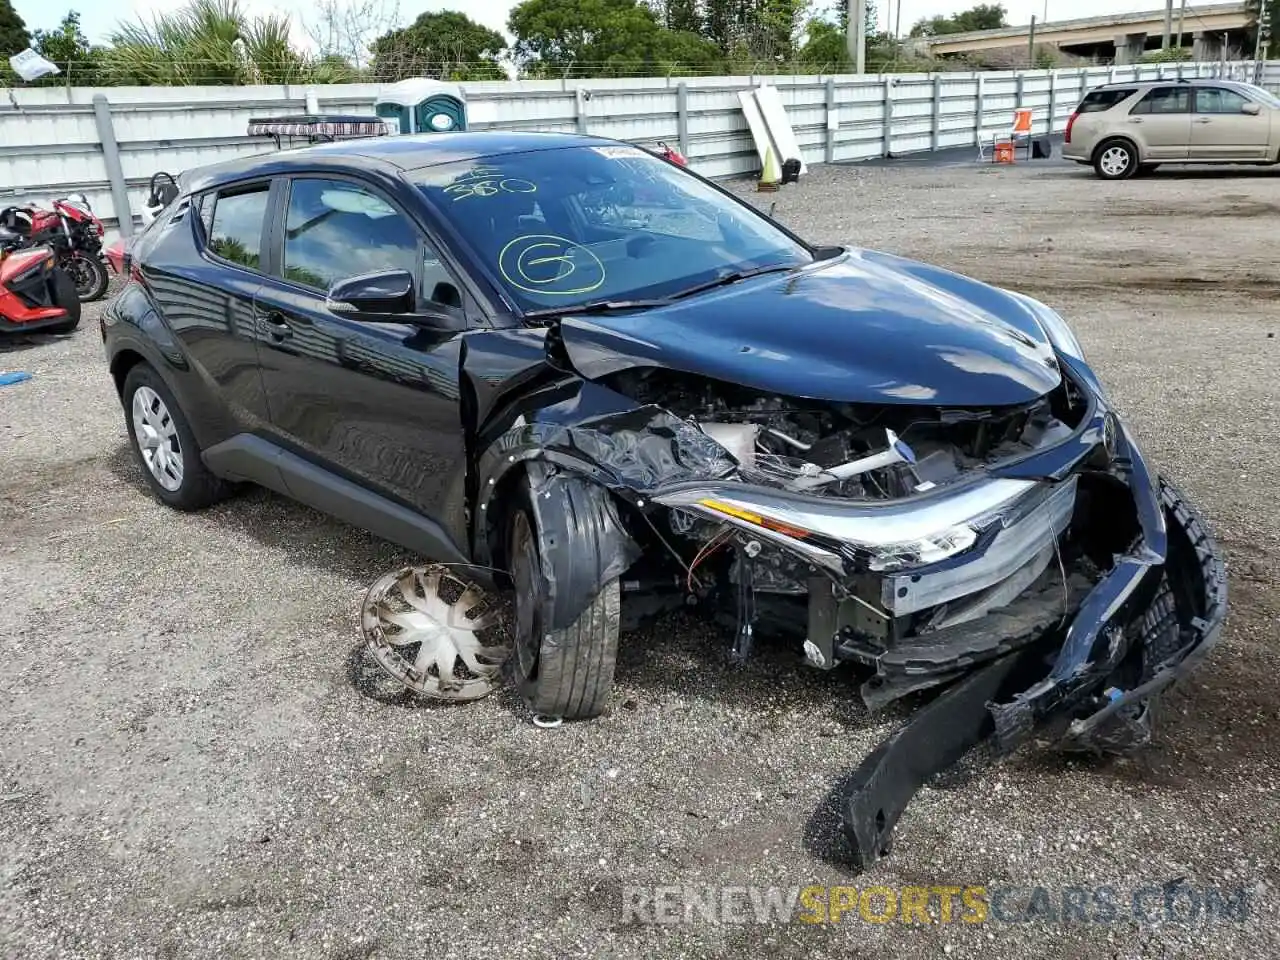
(1071, 122)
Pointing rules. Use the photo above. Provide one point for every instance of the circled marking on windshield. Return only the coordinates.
(551, 265)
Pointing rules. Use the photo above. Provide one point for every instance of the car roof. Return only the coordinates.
(1169, 82)
(406, 152)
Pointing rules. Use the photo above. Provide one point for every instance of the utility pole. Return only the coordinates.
(1182, 13)
(1168, 23)
(1264, 25)
(856, 34)
(1031, 45)
(897, 35)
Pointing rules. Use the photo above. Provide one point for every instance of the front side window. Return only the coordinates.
(1219, 100)
(233, 224)
(1165, 100)
(609, 222)
(335, 230)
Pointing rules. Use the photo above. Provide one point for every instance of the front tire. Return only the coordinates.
(1115, 160)
(164, 445)
(89, 274)
(560, 673)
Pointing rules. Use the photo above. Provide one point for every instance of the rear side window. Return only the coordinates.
(1100, 100)
(234, 225)
(1164, 100)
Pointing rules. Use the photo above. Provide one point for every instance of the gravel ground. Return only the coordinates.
(198, 761)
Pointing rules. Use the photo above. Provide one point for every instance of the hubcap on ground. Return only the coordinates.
(434, 632)
(157, 437)
(1115, 161)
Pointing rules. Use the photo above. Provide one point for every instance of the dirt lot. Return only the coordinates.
(197, 761)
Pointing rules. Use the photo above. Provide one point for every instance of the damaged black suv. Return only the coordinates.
(612, 384)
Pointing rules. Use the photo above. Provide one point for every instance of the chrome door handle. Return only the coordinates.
(275, 325)
(1135, 119)
(1204, 120)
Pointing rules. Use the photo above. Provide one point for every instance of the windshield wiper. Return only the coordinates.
(595, 306)
(733, 277)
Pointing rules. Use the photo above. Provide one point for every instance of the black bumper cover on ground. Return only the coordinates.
(981, 707)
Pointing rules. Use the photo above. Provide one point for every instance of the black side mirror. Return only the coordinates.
(384, 292)
(388, 296)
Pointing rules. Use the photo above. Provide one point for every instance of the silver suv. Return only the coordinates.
(1124, 129)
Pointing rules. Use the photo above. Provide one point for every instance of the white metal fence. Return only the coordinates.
(58, 140)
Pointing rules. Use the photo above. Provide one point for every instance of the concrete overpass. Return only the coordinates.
(1121, 37)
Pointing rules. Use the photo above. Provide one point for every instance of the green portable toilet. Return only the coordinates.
(422, 105)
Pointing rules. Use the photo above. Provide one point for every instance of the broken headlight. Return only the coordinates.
(888, 536)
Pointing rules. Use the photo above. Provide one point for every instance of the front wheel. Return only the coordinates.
(89, 275)
(1116, 160)
(560, 673)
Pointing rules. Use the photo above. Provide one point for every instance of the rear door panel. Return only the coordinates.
(1161, 122)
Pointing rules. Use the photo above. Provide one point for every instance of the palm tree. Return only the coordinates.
(205, 42)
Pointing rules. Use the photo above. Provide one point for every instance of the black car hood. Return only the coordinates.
(862, 328)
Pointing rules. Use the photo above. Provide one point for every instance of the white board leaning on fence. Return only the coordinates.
(775, 118)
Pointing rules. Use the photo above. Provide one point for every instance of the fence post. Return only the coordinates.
(111, 160)
(833, 120)
(1053, 101)
(580, 108)
(888, 116)
(935, 137)
(682, 117)
(1018, 94)
(978, 112)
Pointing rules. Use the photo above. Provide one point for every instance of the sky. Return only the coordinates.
(99, 17)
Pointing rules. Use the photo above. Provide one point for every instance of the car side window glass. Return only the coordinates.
(1099, 100)
(335, 230)
(1165, 100)
(234, 226)
(1218, 100)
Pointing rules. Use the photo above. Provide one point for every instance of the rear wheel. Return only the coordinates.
(1115, 160)
(559, 673)
(89, 275)
(164, 444)
(64, 296)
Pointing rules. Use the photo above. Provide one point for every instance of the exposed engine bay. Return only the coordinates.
(873, 454)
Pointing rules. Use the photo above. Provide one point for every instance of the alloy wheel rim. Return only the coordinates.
(1115, 161)
(81, 274)
(157, 438)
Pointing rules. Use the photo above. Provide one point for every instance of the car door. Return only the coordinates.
(203, 269)
(1222, 130)
(1161, 123)
(376, 403)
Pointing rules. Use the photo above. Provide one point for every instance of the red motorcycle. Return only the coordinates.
(35, 294)
(74, 234)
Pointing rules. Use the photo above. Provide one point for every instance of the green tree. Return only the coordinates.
(985, 16)
(205, 42)
(825, 43)
(13, 33)
(679, 15)
(587, 38)
(447, 45)
(1270, 42)
(69, 49)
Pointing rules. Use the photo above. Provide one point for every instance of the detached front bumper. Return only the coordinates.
(1078, 703)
